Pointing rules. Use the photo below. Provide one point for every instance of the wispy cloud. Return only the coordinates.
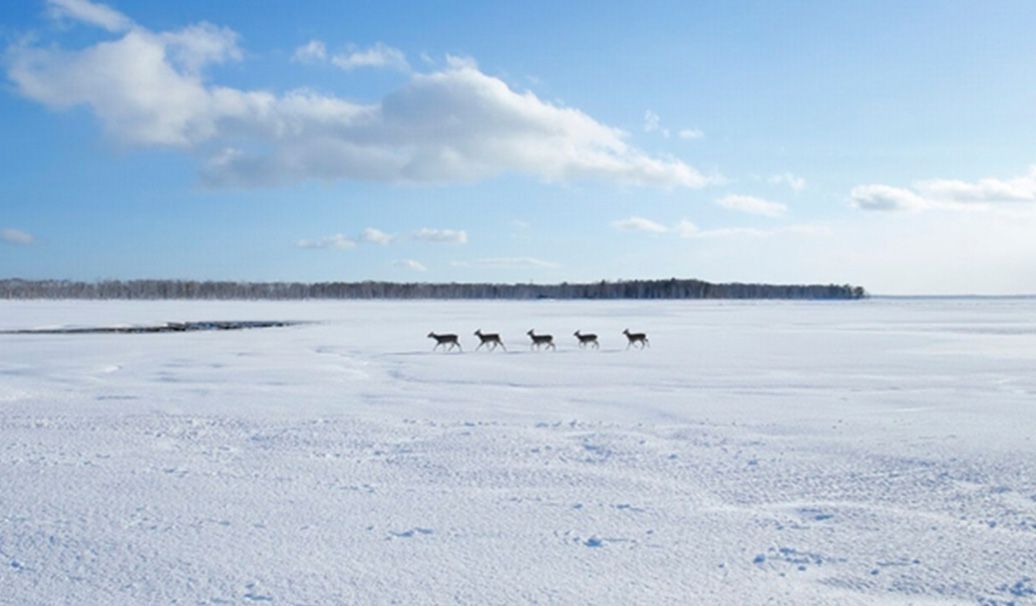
(653, 124)
(690, 134)
(1016, 189)
(376, 236)
(16, 236)
(310, 52)
(651, 121)
(410, 264)
(90, 13)
(947, 194)
(886, 198)
(795, 182)
(752, 205)
(377, 56)
(686, 229)
(640, 224)
(441, 236)
(337, 241)
(507, 263)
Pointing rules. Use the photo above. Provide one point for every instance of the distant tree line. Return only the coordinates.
(627, 289)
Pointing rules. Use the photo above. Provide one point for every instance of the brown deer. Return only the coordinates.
(585, 340)
(538, 340)
(445, 340)
(636, 337)
(492, 339)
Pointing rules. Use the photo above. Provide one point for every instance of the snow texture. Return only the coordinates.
(765, 452)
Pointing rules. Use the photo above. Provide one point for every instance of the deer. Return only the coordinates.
(489, 338)
(538, 340)
(445, 340)
(636, 337)
(585, 340)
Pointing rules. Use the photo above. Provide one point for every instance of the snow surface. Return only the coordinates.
(768, 452)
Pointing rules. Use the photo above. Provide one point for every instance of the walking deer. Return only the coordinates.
(538, 340)
(636, 337)
(445, 340)
(585, 340)
(492, 339)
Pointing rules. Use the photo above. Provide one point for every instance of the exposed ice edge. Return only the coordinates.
(167, 327)
(793, 454)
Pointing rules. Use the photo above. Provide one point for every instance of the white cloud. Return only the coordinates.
(795, 182)
(690, 134)
(337, 241)
(456, 124)
(752, 205)
(507, 263)
(1018, 189)
(410, 264)
(640, 224)
(376, 236)
(312, 51)
(947, 194)
(16, 236)
(652, 123)
(377, 56)
(441, 236)
(90, 13)
(141, 93)
(886, 198)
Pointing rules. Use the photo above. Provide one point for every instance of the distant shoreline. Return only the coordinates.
(673, 288)
(953, 297)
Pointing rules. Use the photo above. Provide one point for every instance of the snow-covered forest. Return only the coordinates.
(632, 289)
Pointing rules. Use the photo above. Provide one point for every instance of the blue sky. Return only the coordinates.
(883, 143)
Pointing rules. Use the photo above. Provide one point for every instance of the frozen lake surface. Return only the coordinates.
(865, 452)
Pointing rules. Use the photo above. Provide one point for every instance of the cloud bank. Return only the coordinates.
(457, 124)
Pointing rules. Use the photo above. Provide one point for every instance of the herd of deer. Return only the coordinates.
(449, 342)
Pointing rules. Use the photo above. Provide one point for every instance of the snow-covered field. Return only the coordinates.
(795, 453)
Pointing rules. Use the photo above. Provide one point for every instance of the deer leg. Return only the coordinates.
(480, 345)
(502, 345)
